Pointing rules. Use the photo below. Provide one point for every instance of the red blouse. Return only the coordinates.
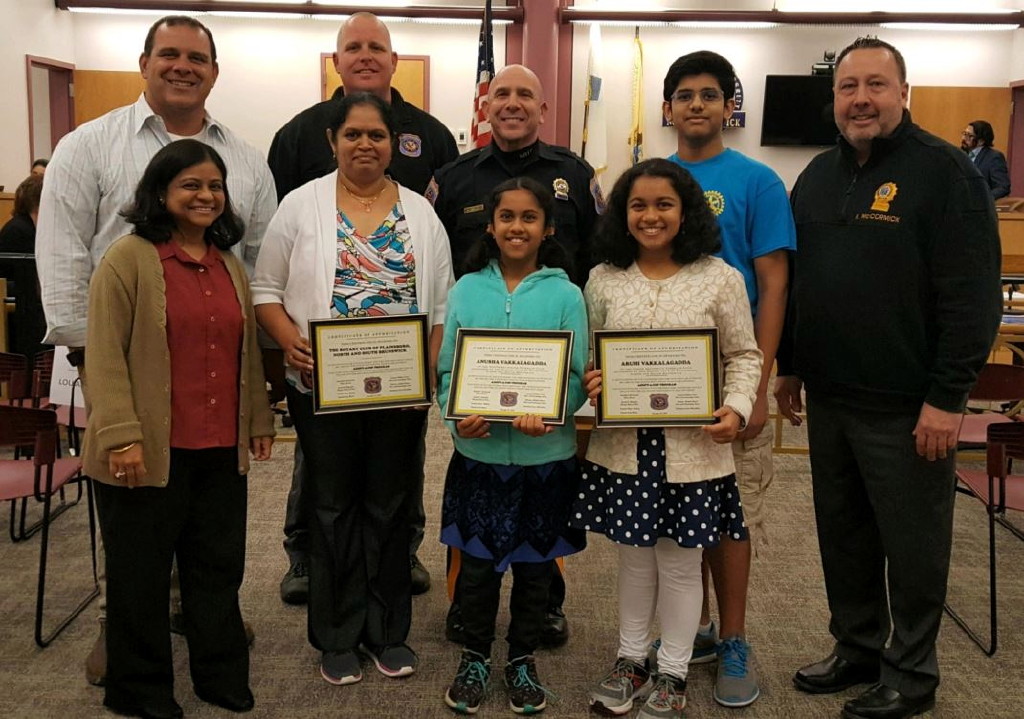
(204, 337)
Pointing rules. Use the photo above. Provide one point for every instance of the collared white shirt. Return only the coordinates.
(92, 178)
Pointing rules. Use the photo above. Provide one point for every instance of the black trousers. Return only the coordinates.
(199, 517)
(361, 468)
(296, 535)
(556, 587)
(885, 518)
(480, 591)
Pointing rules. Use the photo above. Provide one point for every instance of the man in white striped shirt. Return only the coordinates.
(95, 169)
(92, 177)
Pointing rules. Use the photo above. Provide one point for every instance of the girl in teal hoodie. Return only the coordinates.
(510, 487)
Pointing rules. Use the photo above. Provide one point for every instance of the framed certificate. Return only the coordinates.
(657, 378)
(370, 363)
(502, 374)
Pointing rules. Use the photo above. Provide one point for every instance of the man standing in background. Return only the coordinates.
(299, 153)
(976, 140)
(93, 175)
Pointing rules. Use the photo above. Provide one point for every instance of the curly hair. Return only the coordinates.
(485, 249)
(150, 217)
(698, 234)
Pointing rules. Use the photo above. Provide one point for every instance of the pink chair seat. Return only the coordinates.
(17, 476)
(977, 481)
(973, 429)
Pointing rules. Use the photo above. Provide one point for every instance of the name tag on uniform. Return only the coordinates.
(472, 208)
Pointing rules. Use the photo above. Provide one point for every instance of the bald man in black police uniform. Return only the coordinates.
(300, 153)
(515, 109)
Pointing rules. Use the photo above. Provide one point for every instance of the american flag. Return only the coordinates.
(481, 128)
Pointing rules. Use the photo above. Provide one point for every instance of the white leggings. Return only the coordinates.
(666, 578)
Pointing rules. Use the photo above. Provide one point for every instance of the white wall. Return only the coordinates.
(40, 82)
(933, 58)
(270, 67)
(29, 27)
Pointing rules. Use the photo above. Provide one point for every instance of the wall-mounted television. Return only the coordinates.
(798, 111)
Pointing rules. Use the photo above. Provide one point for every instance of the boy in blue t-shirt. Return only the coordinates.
(754, 215)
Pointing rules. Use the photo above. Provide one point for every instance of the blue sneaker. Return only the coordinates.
(736, 685)
(705, 648)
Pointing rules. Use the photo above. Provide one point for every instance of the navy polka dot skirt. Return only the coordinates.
(639, 509)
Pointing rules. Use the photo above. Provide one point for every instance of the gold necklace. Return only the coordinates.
(367, 203)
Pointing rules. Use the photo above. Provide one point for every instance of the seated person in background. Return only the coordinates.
(18, 236)
(39, 166)
(976, 140)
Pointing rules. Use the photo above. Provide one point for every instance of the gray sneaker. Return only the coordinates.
(615, 693)
(736, 685)
(667, 699)
(705, 648)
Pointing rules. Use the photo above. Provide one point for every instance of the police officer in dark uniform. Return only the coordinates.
(515, 109)
(300, 153)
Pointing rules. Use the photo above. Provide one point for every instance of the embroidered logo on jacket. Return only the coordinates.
(410, 145)
(883, 196)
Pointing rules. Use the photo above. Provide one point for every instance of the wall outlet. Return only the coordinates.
(462, 137)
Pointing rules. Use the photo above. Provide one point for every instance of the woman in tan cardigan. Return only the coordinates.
(177, 401)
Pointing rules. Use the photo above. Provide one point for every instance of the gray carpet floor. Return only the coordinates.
(787, 622)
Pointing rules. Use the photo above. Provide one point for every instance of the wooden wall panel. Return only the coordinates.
(411, 78)
(945, 111)
(6, 206)
(100, 91)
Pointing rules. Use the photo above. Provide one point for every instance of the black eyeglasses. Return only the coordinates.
(968, 135)
(707, 96)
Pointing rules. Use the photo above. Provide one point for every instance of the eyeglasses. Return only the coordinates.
(707, 96)
(968, 135)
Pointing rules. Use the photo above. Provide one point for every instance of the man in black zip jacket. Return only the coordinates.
(894, 306)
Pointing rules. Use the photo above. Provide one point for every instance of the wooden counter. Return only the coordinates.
(1011, 237)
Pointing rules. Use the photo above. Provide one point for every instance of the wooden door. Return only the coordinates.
(100, 91)
(945, 111)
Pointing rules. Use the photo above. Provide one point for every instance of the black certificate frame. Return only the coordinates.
(507, 410)
(372, 383)
(657, 414)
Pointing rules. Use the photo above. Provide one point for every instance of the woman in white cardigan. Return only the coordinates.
(355, 243)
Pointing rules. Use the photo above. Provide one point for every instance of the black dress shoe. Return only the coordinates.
(556, 629)
(241, 701)
(453, 630)
(833, 674)
(419, 575)
(167, 709)
(882, 702)
(295, 584)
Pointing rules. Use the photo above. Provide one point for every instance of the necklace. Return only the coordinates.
(366, 202)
